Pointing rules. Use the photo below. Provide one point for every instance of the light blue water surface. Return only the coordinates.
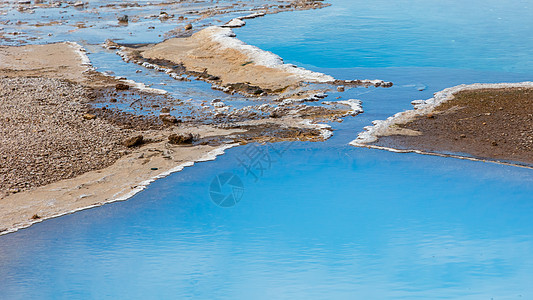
(322, 220)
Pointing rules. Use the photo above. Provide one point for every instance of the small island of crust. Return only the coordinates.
(482, 121)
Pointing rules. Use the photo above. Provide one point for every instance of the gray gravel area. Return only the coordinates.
(44, 136)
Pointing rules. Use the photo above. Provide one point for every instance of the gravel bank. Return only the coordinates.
(44, 136)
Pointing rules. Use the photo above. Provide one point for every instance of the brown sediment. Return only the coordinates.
(486, 123)
(49, 61)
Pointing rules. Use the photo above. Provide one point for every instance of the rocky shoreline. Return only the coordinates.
(63, 150)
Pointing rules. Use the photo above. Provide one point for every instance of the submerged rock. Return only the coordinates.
(123, 19)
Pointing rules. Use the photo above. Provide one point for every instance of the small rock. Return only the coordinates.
(124, 152)
(79, 4)
(494, 143)
(275, 114)
(164, 16)
(134, 141)
(340, 88)
(35, 217)
(463, 135)
(123, 19)
(89, 116)
(180, 139)
(168, 119)
(154, 169)
(188, 27)
(165, 110)
(122, 87)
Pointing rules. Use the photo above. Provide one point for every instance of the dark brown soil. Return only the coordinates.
(486, 123)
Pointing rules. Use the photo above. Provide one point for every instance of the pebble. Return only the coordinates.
(123, 19)
(89, 116)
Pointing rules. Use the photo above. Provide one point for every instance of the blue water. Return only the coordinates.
(320, 220)
(478, 35)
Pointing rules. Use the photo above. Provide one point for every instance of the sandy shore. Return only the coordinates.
(61, 60)
(216, 52)
(215, 55)
(489, 122)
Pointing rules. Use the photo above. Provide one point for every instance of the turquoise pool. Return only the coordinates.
(321, 220)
